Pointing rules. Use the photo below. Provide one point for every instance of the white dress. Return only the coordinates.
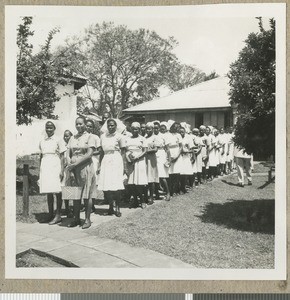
(197, 165)
(204, 155)
(137, 169)
(151, 160)
(186, 165)
(112, 168)
(50, 166)
(212, 157)
(173, 140)
(161, 155)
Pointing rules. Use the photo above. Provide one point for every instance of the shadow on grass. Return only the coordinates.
(229, 183)
(254, 216)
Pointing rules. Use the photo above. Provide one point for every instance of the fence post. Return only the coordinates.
(25, 190)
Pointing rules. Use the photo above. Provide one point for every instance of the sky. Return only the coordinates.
(209, 41)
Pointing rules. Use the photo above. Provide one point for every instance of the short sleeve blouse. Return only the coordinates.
(51, 145)
(173, 139)
(136, 144)
(160, 140)
(80, 143)
(96, 140)
(187, 143)
(112, 141)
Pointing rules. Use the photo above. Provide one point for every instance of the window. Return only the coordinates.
(198, 119)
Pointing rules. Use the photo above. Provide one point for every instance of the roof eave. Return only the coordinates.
(158, 111)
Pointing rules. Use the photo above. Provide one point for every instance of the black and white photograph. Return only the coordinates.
(145, 142)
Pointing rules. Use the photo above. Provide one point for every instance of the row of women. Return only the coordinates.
(128, 162)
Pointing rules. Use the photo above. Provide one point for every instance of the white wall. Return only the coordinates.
(28, 136)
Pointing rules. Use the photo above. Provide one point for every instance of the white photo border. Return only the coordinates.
(275, 10)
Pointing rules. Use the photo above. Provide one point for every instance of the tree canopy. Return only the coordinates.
(37, 76)
(252, 92)
(125, 66)
(182, 76)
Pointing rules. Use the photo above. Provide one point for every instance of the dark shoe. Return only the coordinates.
(110, 212)
(167, 198)
(133, 204)
(118, 214)
(250, 183)
(55, 221)
(69, 214)
(86, 225)
(74, 223)
(150, 202)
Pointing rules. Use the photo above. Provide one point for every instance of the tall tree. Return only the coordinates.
(182, 76)
(125, 66)
(252, 92)
(37, 76)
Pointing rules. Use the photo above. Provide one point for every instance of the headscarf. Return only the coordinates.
(165, 124)
(185, 126)
(119, 128)
(202, 127)
(156, 121)
(170, 123)
(150, 124)
(136, 124)
(44, 130)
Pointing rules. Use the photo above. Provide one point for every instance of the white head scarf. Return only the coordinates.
(165, 124)
(120, 126)
(170, 123)
(150, 124)
(136, 124)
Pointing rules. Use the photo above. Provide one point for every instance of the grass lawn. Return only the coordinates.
(218, 225)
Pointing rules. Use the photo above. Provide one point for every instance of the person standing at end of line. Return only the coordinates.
(244, 161)
(51, 170)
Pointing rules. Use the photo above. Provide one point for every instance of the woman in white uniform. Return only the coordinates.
(112, 167)
(173, 139)
(151, 161)
(163, 158)
(197, 161)
(186, 165)
(136, 147)
(51, 170)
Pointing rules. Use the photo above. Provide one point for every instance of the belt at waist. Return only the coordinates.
(173, 146)
(111, 151)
